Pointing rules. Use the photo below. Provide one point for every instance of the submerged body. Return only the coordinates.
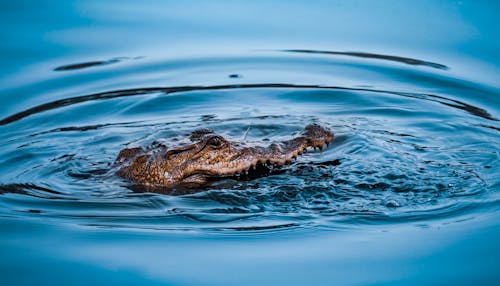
(211, 155)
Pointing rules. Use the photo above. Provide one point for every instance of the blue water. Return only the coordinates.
(406, 194)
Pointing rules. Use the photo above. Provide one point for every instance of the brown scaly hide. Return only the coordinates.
(211, 155)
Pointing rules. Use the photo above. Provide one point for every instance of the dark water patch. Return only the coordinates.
(405, 60)
(491, 127)
(29, 189)
(76, 128)
(262, 228)
(83, 65)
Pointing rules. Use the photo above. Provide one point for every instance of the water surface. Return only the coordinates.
(407, 193)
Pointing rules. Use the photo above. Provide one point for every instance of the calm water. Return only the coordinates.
(408, 193)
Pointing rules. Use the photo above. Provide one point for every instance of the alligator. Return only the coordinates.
(209, 155)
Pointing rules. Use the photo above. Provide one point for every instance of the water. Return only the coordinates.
(406, 194)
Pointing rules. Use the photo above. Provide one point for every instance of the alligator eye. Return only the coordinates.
(215, 142)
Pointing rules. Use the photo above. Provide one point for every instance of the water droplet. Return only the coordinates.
(392, 204)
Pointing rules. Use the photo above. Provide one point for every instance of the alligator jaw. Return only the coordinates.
(260, 161)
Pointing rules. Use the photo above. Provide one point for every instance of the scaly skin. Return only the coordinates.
(210, 155)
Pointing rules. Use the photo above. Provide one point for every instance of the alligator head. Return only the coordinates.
(211, 155)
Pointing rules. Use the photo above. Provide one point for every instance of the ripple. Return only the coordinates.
(477, 111)
(83, 65)
(405, 60)
(410, 153)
